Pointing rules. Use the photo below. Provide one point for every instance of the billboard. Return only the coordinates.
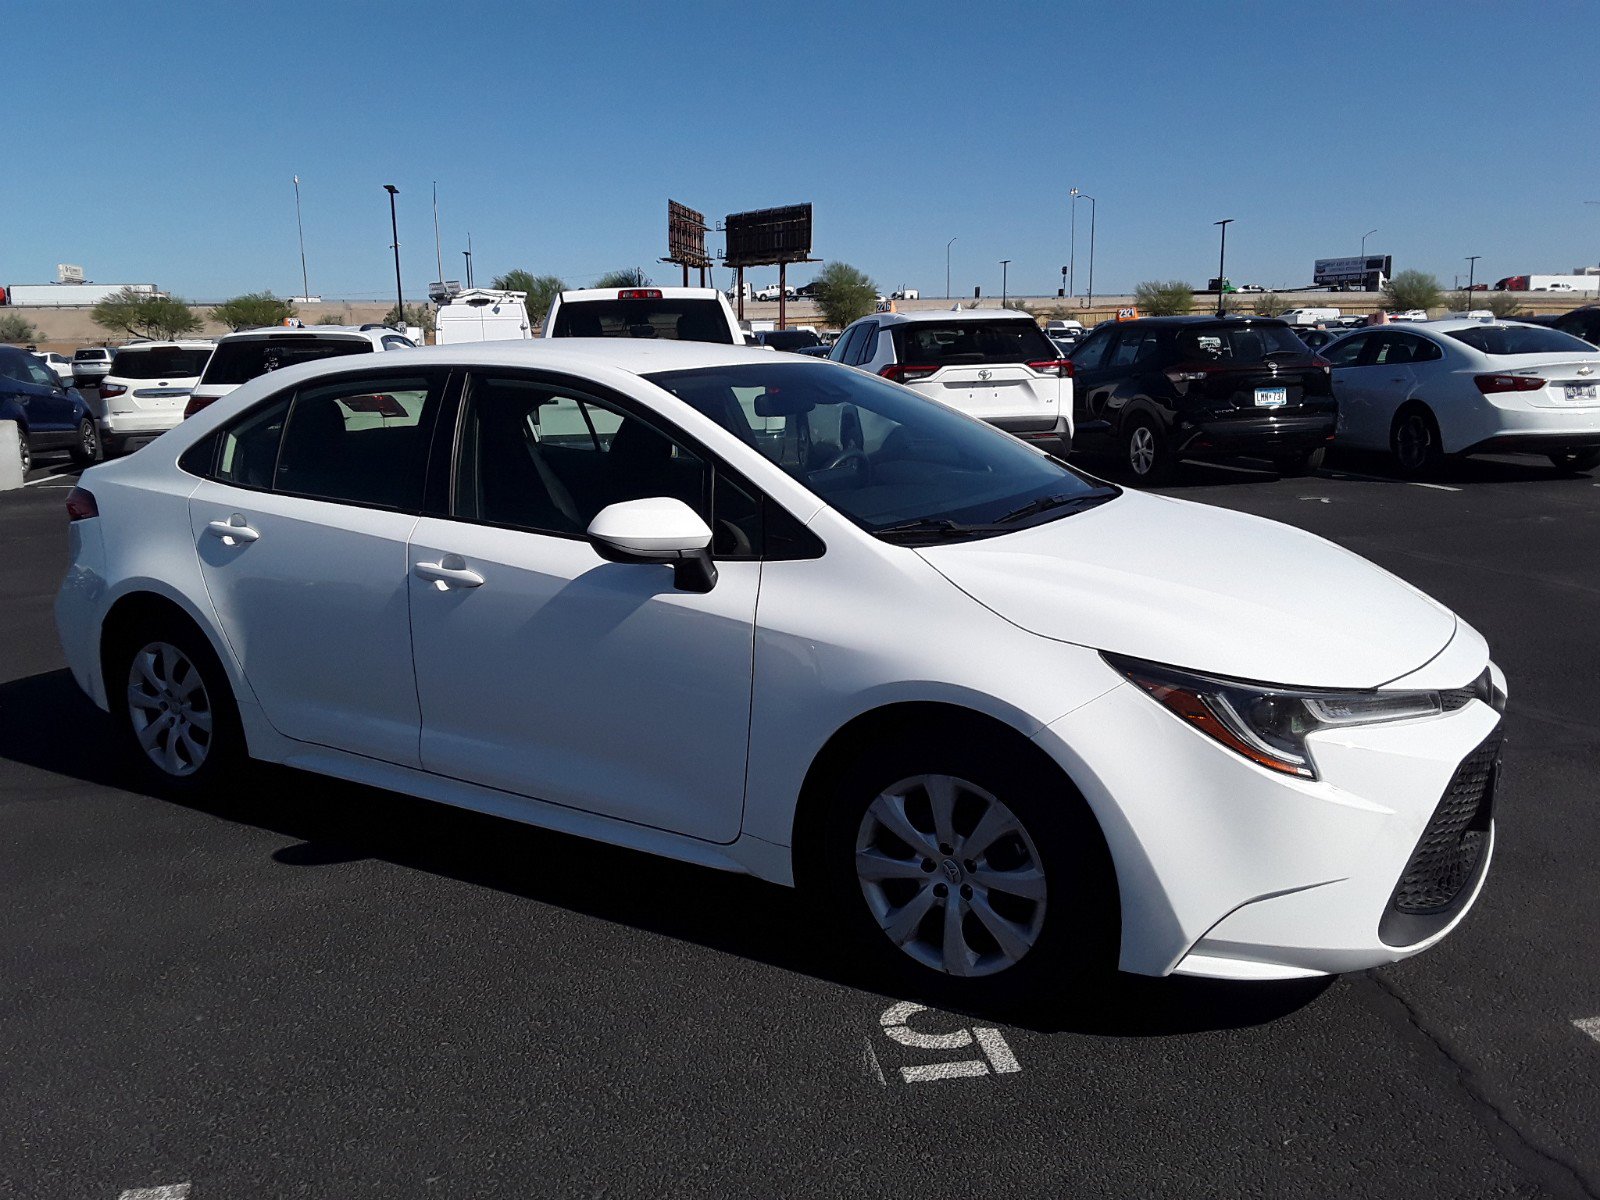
(769, 235)
(686, 236)
(1370, 271)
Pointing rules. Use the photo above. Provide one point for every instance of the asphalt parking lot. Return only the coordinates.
(315, 989)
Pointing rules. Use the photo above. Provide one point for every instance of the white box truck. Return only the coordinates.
(482, 315)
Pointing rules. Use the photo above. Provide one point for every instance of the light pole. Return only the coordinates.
(1072, 250)
(1222, 261)
(1089, 299)
(1005, 266)
(1472, 274)
(1364, 238)
(394, 228)
(1597, 204)
(305, 286)
(947, 246)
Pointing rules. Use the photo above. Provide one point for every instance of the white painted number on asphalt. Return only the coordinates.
(997, 1056)
(167, 1191)
(1589, 1025)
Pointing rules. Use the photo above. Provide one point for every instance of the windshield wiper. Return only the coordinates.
(935, 527)
(1046, 503)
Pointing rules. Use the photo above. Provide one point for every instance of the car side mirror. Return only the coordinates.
(659, 529)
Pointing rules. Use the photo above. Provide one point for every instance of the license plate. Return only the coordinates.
(1581, 391)
(1272, 397)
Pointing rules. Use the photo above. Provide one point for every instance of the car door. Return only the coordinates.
(52, 415)
(1092, 383)
(1359, 423)
(301, 530)
(546, 671)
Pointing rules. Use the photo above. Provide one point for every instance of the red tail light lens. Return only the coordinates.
(1321, 364)
(1488, 384)
(81, 505)
(639, 294)
(196, 403)
(107, 390)
(905, 373)
(1061, 368)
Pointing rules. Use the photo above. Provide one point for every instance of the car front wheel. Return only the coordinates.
(86, 449)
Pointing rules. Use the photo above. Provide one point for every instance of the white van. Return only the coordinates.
(482, 315)
(1309, 316)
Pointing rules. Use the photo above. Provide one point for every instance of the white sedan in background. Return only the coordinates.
(774, 615)
(1426, 390)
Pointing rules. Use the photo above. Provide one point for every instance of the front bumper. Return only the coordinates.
(1233, 871)
(1254, 433)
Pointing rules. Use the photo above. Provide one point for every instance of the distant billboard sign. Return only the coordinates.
(686, 236)
(1370, 271)
(69, 273)
(769, 235)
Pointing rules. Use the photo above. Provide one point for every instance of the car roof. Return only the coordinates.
(637, 356)
(1203, 319)
(951, 314)
(667, 293)
(181, 343)
(297, 331)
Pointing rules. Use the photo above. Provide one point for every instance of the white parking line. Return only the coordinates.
(47, 479)
(1217, 466)
(1589, 1025)
(167, 1191)
(1438, 487)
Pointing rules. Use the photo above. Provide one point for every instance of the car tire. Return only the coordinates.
(24, 451)
(1146, 453)
(173, 707)
(1303, 463)
(1570, 461)
(87, 449)
(1414, 441)
(998, 927)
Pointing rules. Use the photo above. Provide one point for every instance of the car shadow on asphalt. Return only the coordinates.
(47, 723)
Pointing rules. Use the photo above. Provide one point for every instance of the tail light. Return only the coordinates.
(1321, 364)
(81, 505)
(1061, 368)
(108, 390)
(1488, 384)
(196, 403)
(905, 373)
(639, 294)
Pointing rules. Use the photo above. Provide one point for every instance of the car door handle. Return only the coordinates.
(234, 528)
(449, 573)
(1397, 379)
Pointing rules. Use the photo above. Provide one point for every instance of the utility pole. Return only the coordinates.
(305, 287)
(1472, 274)
(394, 228)
(1222, 262)
(1005, 266)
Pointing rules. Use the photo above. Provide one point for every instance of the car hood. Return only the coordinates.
(1195, 586)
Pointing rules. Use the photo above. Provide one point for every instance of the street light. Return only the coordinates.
(1472, 271)
(305, 281)
(394, 228)
(1005, 265)
(1222, 260)
(1072, 252)
(1076, 196)
(947, 246)
(1364, 238)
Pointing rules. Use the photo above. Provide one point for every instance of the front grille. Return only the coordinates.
(1447, 856)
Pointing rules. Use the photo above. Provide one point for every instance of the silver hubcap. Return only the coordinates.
(951, 875)
(1142, 450)
(88, 438)
(169, 708)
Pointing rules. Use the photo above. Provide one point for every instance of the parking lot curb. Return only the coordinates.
(10, 456)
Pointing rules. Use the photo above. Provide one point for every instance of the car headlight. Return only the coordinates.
(1269, 725)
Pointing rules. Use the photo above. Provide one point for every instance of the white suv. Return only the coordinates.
(995, 365)
(146, 389)
(242, 356)
(673, 313)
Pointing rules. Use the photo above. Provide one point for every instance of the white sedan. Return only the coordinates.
(778, 616)
(1427, 390)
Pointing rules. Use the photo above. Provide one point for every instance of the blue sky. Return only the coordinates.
(168, 135)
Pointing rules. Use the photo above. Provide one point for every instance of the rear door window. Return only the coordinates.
(1091, 355)
(869, 344)
(1347, 351)
(359, 441)
(958, 342)
(846, 346)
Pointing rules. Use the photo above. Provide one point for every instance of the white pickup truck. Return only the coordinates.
(680, 313)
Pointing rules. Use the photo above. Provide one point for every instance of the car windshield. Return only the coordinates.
(161, 362)
(248, 358)
(897, 464)
(1521, 339)
(678, 320)
(1237, 343)
(952, 343)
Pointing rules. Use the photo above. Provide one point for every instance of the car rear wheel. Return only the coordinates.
(1414, 441)
(1145, 451)
(1576, 460)
(86, 449)
(25, 451)
(173, 707)
(1303, 463)
(970, 870)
